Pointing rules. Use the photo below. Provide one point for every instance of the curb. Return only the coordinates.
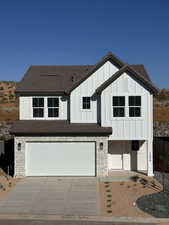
(83, 218)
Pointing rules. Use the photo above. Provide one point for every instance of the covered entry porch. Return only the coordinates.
(128, 156)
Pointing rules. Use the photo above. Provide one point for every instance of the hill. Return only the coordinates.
(8, 101)
(161, 106)
(9, 110)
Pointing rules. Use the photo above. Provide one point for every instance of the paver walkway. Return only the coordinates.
(53, 195)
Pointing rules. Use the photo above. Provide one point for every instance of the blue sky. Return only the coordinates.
(52, 32)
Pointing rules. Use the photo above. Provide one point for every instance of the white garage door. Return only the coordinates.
(60, 159)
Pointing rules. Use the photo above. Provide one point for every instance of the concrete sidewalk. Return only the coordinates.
(53, 196)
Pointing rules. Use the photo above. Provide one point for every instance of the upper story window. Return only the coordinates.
(118, 106)
(86, 102)
(134, 106)
(53, 107)
(38, 107)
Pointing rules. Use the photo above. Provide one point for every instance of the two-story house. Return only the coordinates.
(84, 120)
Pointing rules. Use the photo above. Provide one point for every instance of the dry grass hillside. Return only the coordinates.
(161, 106)
(8, 101)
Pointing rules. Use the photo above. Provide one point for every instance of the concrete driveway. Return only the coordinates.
(53, 195)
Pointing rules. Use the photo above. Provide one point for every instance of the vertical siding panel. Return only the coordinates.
(131, 128)
(87, 88)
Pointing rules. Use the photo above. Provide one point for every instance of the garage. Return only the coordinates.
(60, 159)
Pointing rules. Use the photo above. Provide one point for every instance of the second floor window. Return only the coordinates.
(53, 107)
(134, 106)
(118, 106)
(38, 107)
(86, 103)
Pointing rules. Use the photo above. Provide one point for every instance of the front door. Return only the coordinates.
(119, 155)
(116, 161)
(115, 156)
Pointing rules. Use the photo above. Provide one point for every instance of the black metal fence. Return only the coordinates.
(7, 157)
(161, 153)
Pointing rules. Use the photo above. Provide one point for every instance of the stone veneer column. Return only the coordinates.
(102, 158)
(19, 157)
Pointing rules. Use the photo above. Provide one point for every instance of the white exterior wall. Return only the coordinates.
(87, 88)
(26, 109)
(127, 128)
(142, 156)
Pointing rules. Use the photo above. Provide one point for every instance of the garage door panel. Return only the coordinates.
(60, 159)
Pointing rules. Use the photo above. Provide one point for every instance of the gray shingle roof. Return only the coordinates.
(57, 127)
(54, 79)
(63, 79)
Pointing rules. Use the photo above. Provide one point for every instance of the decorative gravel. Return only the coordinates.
(159, 176)
(156, 204)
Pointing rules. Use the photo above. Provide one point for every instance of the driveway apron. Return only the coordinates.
(53, 196)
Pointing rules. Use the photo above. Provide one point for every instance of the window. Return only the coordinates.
(135, 145)
(86, 102)
(118, 106)
(53, 107)
(134, 106)
(38, 107)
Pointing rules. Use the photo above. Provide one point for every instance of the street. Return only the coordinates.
(64, 222)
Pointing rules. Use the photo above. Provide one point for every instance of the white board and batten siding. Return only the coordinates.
(87, 89)
(26, 109)
(127, 128)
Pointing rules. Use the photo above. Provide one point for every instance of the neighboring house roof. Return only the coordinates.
(136, 71)
(63, 79)
(57, 127)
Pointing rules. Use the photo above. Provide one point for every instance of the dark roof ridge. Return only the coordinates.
(58, 65)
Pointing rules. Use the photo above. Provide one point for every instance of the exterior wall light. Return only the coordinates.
(101, 146)
(19, 146)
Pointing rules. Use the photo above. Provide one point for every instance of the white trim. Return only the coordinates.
(80, 121)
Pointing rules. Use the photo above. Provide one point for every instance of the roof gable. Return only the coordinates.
(137, 75)
(109, 57)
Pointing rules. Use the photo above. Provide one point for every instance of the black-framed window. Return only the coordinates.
(38, 107)
(118, 103)
(135, 145)
(134, 106)
(86, 102)
(53, 107)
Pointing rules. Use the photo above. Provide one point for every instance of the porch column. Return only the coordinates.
(150, 157)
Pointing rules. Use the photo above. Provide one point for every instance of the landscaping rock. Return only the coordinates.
(156, 204)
